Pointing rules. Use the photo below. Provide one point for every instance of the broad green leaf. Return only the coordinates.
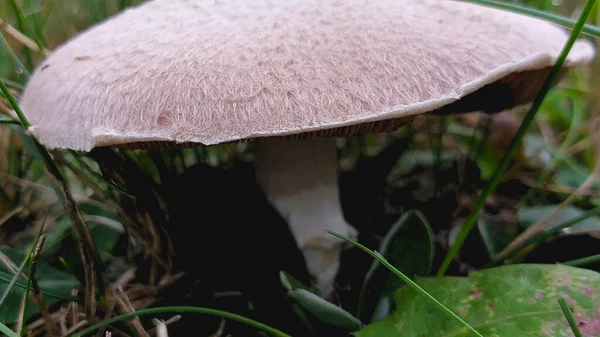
(530, 215)
(517, 300)
(409, 247)
(49, 279)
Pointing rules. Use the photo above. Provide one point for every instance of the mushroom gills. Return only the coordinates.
(299, 177)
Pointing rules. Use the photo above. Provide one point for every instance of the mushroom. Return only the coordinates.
(293, 74)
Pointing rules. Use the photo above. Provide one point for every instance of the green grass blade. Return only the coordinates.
(560, 155)
(13, 281)
(14, 104)
(26, 294)
(184, 309)
(409, 282)
(7, 331)
(558, 19)
(4, 45)
(495, 179)
(12, 84)
(15, 278)
(98, 176)
(583, 261)
(33, 257)
(9, 122)
(569, 316)
(21, 27)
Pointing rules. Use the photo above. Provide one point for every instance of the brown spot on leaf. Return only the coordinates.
(589, 326)
(539, 295)
(475, 293)
(563, 280)
(549, 328)
(82, 58)
(44, 67)
(589, 292)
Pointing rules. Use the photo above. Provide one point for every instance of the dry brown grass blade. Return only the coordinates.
(90, 258)
(220, 330)
(5, 217)
(132, 226)
(124, 306)
(7, 178)
(75, 328)
(561, 189)
(73, 311)
(10, 265)
(4, 108)
(147, 210)
(166, 323)
(22, 38)
(540, 224)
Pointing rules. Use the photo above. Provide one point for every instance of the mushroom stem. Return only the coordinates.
(299, 177)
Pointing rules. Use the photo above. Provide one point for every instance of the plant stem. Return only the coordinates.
(182, 309)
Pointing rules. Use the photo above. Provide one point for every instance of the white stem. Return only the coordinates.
(299, 177)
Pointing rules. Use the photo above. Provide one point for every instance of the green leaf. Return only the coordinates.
(409, 247)
(50, 280)
(516, 300)
(6, 278)
(61, 240)
(324, 311)
(497, 234)
(573, 175)
(291, 283)
(530, 215)
(306, 302)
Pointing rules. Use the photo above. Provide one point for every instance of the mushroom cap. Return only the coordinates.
(186, 72)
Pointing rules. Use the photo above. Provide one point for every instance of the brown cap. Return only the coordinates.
(175, 71)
